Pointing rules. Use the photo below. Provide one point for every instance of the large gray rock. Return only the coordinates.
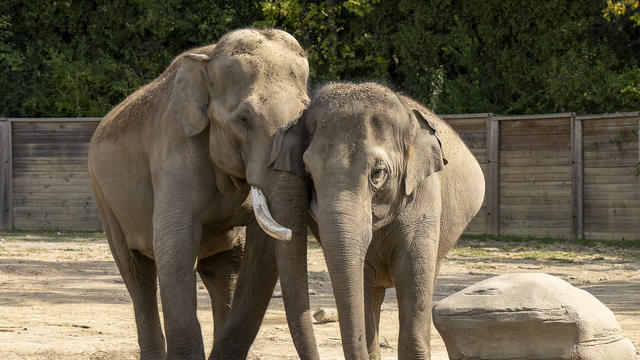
(529, 316)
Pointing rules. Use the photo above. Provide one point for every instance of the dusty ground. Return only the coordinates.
(61, 296)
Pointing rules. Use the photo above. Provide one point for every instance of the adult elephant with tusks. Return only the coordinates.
(172, 168)
(394, 188)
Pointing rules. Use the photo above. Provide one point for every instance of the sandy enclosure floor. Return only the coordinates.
(61, 297)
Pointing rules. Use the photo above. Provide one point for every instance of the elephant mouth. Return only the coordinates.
(239, 183)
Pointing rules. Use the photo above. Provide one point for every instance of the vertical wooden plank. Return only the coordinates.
(6, 211)
(493, 176)
(577, 178)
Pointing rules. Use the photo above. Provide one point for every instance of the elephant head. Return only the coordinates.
(368, 152)
(245, 91)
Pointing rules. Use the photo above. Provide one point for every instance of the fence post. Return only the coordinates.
(493, 176)
(577, 177)
(6, 211)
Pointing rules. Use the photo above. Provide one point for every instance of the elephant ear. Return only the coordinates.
(190, 97)
(288, 146)
(425, 154)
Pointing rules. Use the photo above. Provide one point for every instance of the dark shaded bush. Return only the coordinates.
(80, 58)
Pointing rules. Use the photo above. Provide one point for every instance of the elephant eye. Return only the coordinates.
(244, 120)
(378, 175)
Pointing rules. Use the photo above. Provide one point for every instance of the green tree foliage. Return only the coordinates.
(80, 58)
(469, 56)
(616, 9)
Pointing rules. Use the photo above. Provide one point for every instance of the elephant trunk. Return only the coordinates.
(290, 205)
(345, 229)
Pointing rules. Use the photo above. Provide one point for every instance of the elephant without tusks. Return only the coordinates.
(394, 188)
(171, 169)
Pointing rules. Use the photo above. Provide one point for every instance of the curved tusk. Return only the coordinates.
(263, 216)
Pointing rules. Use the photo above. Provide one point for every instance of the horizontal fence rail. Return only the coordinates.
(551, 175)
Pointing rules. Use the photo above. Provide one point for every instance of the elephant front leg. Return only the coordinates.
(414, 276)
(175, 245)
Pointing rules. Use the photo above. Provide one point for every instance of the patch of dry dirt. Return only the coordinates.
(65, 299)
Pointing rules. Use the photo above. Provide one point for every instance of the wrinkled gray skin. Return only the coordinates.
(388, 208)
(171, 168)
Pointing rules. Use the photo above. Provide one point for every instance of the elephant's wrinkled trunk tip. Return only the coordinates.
(264, 218)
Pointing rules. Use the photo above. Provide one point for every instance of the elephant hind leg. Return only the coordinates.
(139, 275)
(378, 298)
(219, 274)
(256, 281)
(141, 283)
(374, 296)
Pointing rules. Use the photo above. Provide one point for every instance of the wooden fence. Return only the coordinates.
(45, 182)
(557, 175)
